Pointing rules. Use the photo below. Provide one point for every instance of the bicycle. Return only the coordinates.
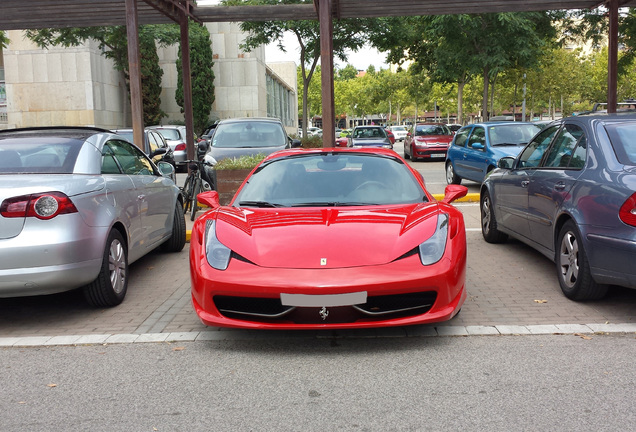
(194, 184)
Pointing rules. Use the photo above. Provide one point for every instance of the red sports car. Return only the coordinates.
(428, 141)
(329, 239)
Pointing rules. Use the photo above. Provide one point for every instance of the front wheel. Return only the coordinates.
(488, 221)
(451, 177)
(177, 239)
(109, 289)
(573, 269)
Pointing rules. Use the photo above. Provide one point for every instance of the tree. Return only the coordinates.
(454, 48)
(202, 76)
(348, 34)
(4, 40)
(114, 45)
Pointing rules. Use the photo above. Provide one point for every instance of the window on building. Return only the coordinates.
(280, 101)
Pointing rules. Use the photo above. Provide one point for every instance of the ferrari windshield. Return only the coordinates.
(331, 179)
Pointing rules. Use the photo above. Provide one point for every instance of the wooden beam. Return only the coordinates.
(326, 71)
(134, 73)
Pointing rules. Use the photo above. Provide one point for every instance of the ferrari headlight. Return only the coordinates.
(217, 254)
(432, 249)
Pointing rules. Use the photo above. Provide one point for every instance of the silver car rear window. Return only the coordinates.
(46, 156)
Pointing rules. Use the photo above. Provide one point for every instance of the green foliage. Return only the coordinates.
(311, 142)
(151, 74)
(4, 40)
(202, 76)
(243, 162)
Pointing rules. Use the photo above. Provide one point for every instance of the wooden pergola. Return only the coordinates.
(36, 14)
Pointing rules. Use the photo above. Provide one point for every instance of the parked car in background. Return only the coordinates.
(390, 135)
(476, 148)
(399, 132)
(454, 127)
(427, 141)
(369, 136)
(175, 135)
(571, 195)
(77, 207)
(294, 248)
(155, 145)
(237, 137)
(314, 131)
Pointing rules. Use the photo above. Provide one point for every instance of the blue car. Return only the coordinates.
(571, 195)
(476, 148)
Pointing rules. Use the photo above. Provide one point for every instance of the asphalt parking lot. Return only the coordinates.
(510, 287)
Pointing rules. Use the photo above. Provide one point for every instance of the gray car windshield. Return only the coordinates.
(248, 135)
(331, 179)
(512, 134)
(24, 156)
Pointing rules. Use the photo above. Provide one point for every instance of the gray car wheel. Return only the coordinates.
(573, 269)
(488, 221)
(109, 289)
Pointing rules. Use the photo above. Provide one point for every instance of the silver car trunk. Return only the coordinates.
(14, 185)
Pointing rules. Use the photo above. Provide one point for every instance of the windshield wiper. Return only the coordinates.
(258, 204)
(507, 144)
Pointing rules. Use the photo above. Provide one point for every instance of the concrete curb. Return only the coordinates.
(222, 334)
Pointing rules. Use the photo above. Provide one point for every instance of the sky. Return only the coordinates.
(361, 59)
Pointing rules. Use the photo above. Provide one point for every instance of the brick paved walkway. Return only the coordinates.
(510, 287)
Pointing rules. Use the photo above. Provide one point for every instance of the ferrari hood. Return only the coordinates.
(325, 237)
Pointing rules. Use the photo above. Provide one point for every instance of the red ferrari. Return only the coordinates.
(329, 239)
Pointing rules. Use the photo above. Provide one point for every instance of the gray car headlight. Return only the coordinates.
(432, 249)
(217, 254)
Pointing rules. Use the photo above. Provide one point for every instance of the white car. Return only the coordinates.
(314, 131)
(399, 132)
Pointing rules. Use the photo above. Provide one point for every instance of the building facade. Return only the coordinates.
(80, 87)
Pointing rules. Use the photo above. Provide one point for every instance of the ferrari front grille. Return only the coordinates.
(376, 308)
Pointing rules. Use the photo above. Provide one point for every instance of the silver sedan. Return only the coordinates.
(77, 206)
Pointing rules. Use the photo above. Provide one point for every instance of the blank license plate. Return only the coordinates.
(331, 300)
(438, 155)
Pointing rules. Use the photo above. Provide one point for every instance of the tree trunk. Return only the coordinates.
(460, 100)
(484, 102)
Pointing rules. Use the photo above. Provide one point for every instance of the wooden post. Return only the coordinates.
(187, 87)
(134, 73)
(612, 52)
(326, 69)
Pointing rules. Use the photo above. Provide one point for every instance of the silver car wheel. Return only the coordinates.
(117, 266)
(569, 259)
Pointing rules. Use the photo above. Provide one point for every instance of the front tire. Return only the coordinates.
(109, 289)
(177, 239)
(488, 221)
(573, 269)
(451, 177)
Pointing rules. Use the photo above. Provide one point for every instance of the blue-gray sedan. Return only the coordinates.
(77, 206)
(571, 194)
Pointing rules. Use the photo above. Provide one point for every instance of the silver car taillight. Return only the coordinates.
(42, 206)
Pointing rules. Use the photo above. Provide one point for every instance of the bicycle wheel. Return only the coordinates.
(194, 204)
(187, 194)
